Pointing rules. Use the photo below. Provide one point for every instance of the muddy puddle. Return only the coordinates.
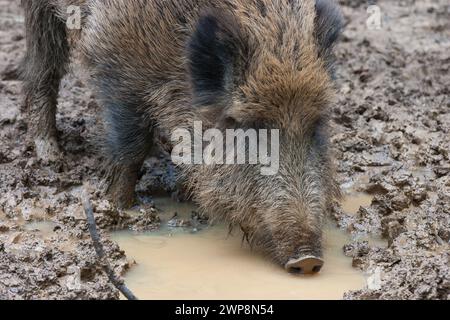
(352, 202)
(45, 228)
(177, 263)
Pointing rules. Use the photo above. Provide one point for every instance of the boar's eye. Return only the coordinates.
(228, 122)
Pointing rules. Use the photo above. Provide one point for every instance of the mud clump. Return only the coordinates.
(392, 141)
(390, 137)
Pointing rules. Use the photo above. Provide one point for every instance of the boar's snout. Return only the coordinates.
(305, 265)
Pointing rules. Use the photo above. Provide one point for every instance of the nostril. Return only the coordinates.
(295, 270)
(317, 269)
(305, 265)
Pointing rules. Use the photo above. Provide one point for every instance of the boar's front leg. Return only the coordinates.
(44, 65)
(128, 141)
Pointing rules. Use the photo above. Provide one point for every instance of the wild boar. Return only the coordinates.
(229, 64)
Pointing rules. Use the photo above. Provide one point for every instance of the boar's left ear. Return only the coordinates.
(329, 24)
(213, 51)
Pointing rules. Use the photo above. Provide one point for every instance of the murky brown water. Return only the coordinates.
(353, 202)
(213, 265)
(46, 228)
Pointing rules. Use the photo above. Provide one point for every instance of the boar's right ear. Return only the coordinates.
(329, 24)
(213, 51)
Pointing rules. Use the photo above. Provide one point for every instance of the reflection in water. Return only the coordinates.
(213, 265)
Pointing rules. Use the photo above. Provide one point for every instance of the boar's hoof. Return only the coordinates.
(305, 265)
(47, 149)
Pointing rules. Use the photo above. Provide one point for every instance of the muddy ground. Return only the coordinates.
(391, 139)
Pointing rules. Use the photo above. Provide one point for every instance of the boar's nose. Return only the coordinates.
(305, 265)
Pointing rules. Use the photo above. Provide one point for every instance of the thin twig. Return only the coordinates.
(100, 250)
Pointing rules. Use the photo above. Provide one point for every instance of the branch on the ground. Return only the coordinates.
(100, 250)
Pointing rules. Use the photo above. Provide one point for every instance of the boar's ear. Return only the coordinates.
(212, 52)
(329, 24)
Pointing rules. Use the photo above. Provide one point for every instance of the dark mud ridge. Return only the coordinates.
(391, 140)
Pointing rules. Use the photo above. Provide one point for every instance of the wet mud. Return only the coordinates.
(391, 144)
